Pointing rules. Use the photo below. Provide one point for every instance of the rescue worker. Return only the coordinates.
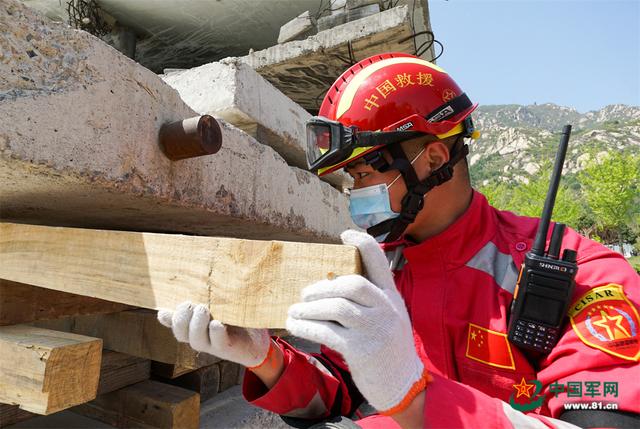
(425, 341)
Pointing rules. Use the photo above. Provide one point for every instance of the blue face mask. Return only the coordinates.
(371, 205)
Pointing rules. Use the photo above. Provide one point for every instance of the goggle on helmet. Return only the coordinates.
(384, 100)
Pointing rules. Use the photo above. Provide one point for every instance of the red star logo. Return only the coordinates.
(448, 94)
(524, 389)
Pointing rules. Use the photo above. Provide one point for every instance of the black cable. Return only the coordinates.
(429, 43)
(317, 14)
(414, 35)
(420, 50)
(321, 11)
(329, 8)
(352, 55)
(352, 58)
(85, 15)
(441, 51)
(347, 61)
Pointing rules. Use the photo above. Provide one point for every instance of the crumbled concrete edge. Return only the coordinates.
(351, 31)
(298, 28)
(235, 92)
(101, 125)
(305, 70)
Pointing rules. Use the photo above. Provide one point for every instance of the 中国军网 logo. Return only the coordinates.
(527, 395)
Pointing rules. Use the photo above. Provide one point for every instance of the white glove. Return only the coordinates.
(192, 324)
(367, 322)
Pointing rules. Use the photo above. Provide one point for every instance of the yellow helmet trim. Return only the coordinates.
(360, 150)
(350, 91)
(452, 132)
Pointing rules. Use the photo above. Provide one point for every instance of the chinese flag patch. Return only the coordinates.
(605, 319)
(490, 347)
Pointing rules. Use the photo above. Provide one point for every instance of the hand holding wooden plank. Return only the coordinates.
(246, 283)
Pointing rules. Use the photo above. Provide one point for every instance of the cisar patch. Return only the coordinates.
(605, 319)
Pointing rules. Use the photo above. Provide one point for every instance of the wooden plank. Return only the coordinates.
(119, 370)
(244, 282)
(168, 371)
(46, 371)
(134, 332)
(149, 404)
(21, 303)
(11, 414)
(229, 374)
(205, 381)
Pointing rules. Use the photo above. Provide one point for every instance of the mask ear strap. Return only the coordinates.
(396, 226)
(413, 201)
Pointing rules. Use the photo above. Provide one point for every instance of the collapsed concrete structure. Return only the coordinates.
(78, 146)
(233, 91)
(304, 69)
(179, 34)
(79, 126)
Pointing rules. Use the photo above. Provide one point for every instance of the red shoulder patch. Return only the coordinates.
(605, 319)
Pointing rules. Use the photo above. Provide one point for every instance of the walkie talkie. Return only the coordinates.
(545, 285)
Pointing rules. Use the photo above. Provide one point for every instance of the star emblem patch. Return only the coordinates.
(603, 318)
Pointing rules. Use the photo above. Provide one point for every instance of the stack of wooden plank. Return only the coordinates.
(79, 148)
(78, 326)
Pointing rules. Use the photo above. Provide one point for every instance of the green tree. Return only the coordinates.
(498, 194)
(527, 199)
(610, 185)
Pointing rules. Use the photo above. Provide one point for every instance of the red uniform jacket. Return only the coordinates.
(458, 287)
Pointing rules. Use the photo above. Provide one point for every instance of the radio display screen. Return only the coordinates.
(541, 309)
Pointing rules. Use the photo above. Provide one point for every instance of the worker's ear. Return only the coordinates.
(434, 156)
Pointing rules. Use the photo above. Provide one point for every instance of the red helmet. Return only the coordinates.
(396, 92)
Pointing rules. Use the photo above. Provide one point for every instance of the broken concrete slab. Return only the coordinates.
(355, 4)
(359, 12)
(235, 92)
(304, 70)
(185, 34)
(298, 28)
(333, 20)
(78, 147)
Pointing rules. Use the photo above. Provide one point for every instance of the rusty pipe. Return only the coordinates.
(189, 138)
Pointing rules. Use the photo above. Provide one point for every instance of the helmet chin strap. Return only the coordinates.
(413, 200)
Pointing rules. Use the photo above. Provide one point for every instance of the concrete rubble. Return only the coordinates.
(358, 9)
(298, 28)
(304, 70)
(79, 129)
(233, 91)
(184, 34)
(73, 153)
(342, 11)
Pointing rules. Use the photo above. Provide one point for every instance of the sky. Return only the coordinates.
(583, 54)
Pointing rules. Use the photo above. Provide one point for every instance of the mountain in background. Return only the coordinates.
(515, 140)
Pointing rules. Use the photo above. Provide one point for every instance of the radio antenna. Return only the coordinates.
(545, 218)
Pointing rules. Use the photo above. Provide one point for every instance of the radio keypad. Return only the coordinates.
(535, 335)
